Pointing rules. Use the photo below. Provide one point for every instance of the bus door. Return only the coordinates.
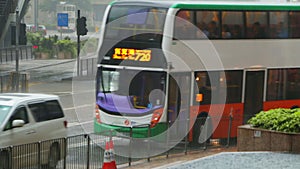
(253, 93)
(179, 102)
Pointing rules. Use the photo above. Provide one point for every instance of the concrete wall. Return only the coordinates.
(254, 139)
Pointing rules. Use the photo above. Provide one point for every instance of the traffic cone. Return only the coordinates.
(106, 161)
(112, 155)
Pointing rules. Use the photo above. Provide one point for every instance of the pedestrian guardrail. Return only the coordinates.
(10, 54)
(14, 82)
(88, 66)
(88, 150)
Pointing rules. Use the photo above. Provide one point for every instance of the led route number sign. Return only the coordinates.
(143, 55)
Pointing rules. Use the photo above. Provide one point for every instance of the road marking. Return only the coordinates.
(71, 124)
(81, 106)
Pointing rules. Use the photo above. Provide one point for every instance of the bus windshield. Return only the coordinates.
(122, 91)
(135, 23)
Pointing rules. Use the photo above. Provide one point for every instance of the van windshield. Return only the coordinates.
(4, 110)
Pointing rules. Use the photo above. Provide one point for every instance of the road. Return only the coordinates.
(76, 99)
(56, 77)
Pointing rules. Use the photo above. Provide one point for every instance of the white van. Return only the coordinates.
(27, 118)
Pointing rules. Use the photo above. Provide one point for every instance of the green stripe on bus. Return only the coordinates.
(138, 132)
(250, 7)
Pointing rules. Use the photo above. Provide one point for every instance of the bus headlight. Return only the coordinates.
(156, 117)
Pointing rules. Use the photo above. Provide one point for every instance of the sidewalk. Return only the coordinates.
(162, 162)
(43, 70)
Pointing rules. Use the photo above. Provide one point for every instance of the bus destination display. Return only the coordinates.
(142, 55)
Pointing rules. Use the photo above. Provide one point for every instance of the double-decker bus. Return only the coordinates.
(69, 9)
(190, 64)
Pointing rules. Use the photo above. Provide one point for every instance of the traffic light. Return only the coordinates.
(22, 34)
(81, 26)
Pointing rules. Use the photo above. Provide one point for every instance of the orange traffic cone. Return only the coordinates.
(106, 161)
(112, 155)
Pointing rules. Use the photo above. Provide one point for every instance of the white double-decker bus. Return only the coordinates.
(215, 64)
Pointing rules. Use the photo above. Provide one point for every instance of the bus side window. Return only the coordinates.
(232, 24)
(294, 18)
(257, 24)
(278, 26)
(184, 26)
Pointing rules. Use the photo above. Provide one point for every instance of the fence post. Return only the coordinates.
(31, 55)
(6, 55)
(130, 147)
(1, 84)
(148, 147)
(186, 137)
(88, 151)
(87, 67)
(229, 128)
(167, 140)
(65, 151)
(39, 155)
(24, 82)
(1, 55)
(205, 128)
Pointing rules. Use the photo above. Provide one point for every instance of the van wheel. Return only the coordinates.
(202, 126)
(4, 160)
(54, 156)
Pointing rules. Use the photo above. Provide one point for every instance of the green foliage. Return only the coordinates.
(51, 44)
(66, 45)
(285, 120)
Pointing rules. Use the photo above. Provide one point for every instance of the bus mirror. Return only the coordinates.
(199, 97)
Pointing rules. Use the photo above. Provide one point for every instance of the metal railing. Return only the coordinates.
(87, 150)
(14, 82)
(88, 66)
(9, 54)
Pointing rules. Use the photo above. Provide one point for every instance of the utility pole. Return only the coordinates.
(36, 25)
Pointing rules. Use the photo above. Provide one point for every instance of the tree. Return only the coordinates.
(50, 5)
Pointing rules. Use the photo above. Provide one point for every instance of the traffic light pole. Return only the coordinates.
(16, 79)
(17, 40)
(78, 47)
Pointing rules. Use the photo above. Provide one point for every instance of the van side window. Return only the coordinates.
(19, 114)
(44, 111)
(54, 109)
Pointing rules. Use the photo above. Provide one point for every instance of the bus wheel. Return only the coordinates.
(4, 160)
(201, 127)
(54, 156)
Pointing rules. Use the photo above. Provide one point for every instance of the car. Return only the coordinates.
(29, 27)
(27, 118)
(41, 29)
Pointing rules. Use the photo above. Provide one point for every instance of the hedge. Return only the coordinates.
(280, 119)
